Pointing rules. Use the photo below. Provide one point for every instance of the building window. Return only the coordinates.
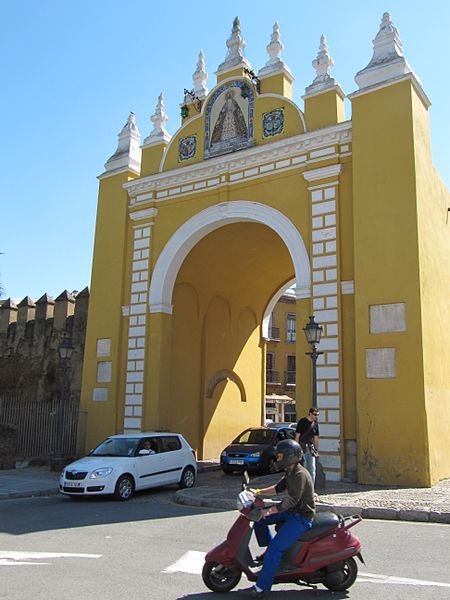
(290, 369)
(290, 328)
(271, 375)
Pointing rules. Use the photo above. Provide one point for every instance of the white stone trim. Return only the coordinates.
(210, 219)
(378, 86)
(291, 147)
(322, 173)
(146, 213)
(348, 287)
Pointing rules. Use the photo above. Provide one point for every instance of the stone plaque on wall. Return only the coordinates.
(100, 394)
(380, 363)
(104, 372)
(103, 347)
(387, 318)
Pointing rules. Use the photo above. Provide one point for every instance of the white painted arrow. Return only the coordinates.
(375, 578)
(13, 557)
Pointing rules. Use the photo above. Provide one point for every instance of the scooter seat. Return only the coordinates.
(322, 524)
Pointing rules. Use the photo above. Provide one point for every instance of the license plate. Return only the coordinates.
(73, 484)
(236, 462)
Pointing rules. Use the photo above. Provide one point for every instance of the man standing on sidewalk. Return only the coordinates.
(307, 435)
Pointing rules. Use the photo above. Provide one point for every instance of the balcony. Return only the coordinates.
(274, 334)
(272, 377)
(289, 377)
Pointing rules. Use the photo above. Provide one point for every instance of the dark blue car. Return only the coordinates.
(254, 450)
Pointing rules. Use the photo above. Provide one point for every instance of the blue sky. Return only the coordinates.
(72, 71)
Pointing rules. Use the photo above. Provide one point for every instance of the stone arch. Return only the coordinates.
(226, 375)
(210, 219)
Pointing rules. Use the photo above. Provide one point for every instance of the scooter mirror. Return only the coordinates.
(246, 480)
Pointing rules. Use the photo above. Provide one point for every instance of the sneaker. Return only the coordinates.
(258, 560)
(252, 593)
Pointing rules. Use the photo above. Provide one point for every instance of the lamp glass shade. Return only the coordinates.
(313, 331)
(65, 349)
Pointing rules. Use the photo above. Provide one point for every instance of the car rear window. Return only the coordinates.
(255, 436)
(169, 443)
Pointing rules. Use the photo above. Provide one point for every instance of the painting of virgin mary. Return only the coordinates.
(230, 124)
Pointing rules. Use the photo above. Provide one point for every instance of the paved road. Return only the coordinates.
(53, 548)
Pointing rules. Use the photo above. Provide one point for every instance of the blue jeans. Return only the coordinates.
(293, 527)
(310, 463)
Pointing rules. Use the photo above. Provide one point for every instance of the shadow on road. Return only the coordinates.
(293, 594)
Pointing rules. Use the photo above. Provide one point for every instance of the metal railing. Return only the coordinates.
(274, 333)
(289, 377)
(36, 424)
(272, 376)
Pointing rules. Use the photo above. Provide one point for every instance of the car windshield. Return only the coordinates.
(116, 447)
(255, 436)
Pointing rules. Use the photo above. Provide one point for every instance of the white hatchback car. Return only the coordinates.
(123, 464)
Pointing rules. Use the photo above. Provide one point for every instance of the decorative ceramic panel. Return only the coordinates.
(229, 119)
(273, 122)
(187, 147)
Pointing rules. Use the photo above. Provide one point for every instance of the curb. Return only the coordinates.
(371, 512)
(29, 494)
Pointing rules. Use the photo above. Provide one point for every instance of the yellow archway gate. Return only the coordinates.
(198, 233)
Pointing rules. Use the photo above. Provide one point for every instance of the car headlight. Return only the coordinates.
(255, 454)
(103, 472)
(224, 453)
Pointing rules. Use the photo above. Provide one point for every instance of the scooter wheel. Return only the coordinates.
(219, 578)
(349, 574)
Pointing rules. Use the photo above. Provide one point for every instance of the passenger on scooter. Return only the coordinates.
(295, 513)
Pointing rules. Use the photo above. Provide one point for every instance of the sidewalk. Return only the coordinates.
(372, 502)
(217, 490)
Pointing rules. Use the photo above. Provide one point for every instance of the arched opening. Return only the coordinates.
(217, 288)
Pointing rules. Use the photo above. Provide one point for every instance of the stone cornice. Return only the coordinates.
(147, 213)
(378, 86)
(249, 158)
(322, 173)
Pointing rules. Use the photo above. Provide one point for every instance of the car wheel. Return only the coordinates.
(124, 488)
(187, 478)
(271, 466)
(227, 470)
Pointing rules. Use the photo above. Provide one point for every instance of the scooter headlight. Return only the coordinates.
(245, 499)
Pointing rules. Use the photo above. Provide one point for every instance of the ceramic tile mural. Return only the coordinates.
(229, 119)
(187, 147)
(273, 122)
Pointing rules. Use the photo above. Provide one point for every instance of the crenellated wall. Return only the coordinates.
(30, 333)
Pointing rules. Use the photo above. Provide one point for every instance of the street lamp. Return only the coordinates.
(313, 332)
(65, 350)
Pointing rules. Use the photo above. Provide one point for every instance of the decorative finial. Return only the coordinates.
(322, 65)
(388, 61)
(128, 153)
(235, 44)
(274, 49)
(159, 119)
(199, 77)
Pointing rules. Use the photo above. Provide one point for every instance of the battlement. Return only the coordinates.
(30, 333)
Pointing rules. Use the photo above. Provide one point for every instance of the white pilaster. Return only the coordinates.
(325, 300)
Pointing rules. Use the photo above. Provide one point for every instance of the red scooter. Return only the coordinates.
(323, 554)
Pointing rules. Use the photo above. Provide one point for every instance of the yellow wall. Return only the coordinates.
(434, 256)
(392, 430)
(105, 316)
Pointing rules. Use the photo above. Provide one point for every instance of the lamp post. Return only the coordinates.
(313, 332)
(65, 350)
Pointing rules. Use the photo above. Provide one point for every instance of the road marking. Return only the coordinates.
(375, 578)
(193, 561)
(14, 558)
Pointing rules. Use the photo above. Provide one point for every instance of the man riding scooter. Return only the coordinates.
(294, 514)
